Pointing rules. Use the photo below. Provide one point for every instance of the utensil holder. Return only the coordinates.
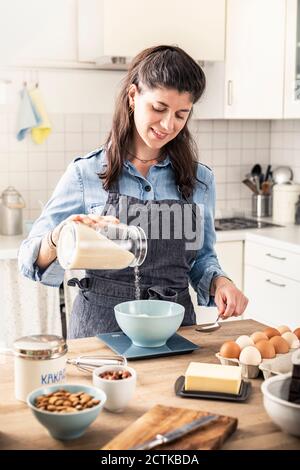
(262, 205)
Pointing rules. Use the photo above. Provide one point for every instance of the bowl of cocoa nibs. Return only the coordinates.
(66, 410)
(118, 383)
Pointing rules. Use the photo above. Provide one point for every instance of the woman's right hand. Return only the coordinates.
(92, 220)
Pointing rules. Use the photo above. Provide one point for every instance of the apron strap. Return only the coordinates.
(188, 199)
(114, 187)
(82, 284)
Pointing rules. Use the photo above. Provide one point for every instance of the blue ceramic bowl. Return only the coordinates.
(149, 323)
(67, 426)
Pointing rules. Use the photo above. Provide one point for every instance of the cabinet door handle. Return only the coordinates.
(229, 92)
(276, 257)
(277, 284)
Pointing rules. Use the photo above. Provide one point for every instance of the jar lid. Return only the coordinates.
(10, 192)
(38, 347)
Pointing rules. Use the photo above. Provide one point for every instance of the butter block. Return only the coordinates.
(213, 378)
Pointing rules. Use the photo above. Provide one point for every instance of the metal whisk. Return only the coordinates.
(89, 363)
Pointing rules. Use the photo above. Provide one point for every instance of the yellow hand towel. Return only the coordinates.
(41, 132)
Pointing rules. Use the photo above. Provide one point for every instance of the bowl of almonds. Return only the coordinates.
(66, 410)
(118, 383)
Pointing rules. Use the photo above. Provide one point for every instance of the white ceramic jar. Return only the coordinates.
(285, 197)
(40, 360)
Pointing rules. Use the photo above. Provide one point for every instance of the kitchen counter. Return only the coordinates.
(287, 238)
(155, 385)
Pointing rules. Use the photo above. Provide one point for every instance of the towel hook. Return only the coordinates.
(37, 78)
(24, 79)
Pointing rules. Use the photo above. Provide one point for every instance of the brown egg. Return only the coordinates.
(270, 332)
(297, 332)
(230, 350)
(283, 329)
(258, 336)
(280, 344)
(266, 349)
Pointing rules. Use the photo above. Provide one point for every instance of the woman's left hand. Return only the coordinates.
(228, 298)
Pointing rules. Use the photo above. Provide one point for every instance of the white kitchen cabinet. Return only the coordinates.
(292, 61)
(273, 300)
(211, 103)
(90, 26)
(254, 63)
(91, 49)
(272, 284)
(231, 258)
(198, 26)
(275, 260)
(37, 31)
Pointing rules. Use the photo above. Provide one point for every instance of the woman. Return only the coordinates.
(150, 159)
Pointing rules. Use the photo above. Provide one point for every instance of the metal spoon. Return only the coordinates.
(207, 327)
(256, 170)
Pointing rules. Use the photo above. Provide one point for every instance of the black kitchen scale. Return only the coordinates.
(121, 344)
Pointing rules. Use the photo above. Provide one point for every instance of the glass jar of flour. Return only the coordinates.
(40, 360)
(115, 246)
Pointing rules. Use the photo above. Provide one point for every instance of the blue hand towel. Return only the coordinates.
(28, 116)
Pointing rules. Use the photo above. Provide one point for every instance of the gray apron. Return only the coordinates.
(163, 275)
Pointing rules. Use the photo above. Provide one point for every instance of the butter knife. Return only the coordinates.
(160, 439)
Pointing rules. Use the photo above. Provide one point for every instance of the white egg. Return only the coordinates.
(244, 341)
(250, 356)
(291, 338)
(283, 328)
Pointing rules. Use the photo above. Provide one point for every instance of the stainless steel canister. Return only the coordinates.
(11, 212)
(39, 361)
(262, 205)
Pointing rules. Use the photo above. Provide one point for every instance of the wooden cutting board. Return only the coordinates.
(162, 419)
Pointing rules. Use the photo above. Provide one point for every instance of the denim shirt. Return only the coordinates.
(80, 191)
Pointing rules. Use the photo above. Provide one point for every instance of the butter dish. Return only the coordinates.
(242, 396)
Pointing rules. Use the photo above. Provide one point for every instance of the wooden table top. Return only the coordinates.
(155, 385)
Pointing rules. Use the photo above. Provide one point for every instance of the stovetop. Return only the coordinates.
(241, 223)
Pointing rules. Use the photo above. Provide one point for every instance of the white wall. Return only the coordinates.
(65, 91)
(37, 29)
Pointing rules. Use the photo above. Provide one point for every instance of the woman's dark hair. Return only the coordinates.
(162, 66)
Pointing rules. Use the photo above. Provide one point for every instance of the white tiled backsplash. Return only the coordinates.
(230, 147)
(285, 145)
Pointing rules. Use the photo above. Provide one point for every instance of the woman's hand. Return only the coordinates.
(88, 219)
(228, 298)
